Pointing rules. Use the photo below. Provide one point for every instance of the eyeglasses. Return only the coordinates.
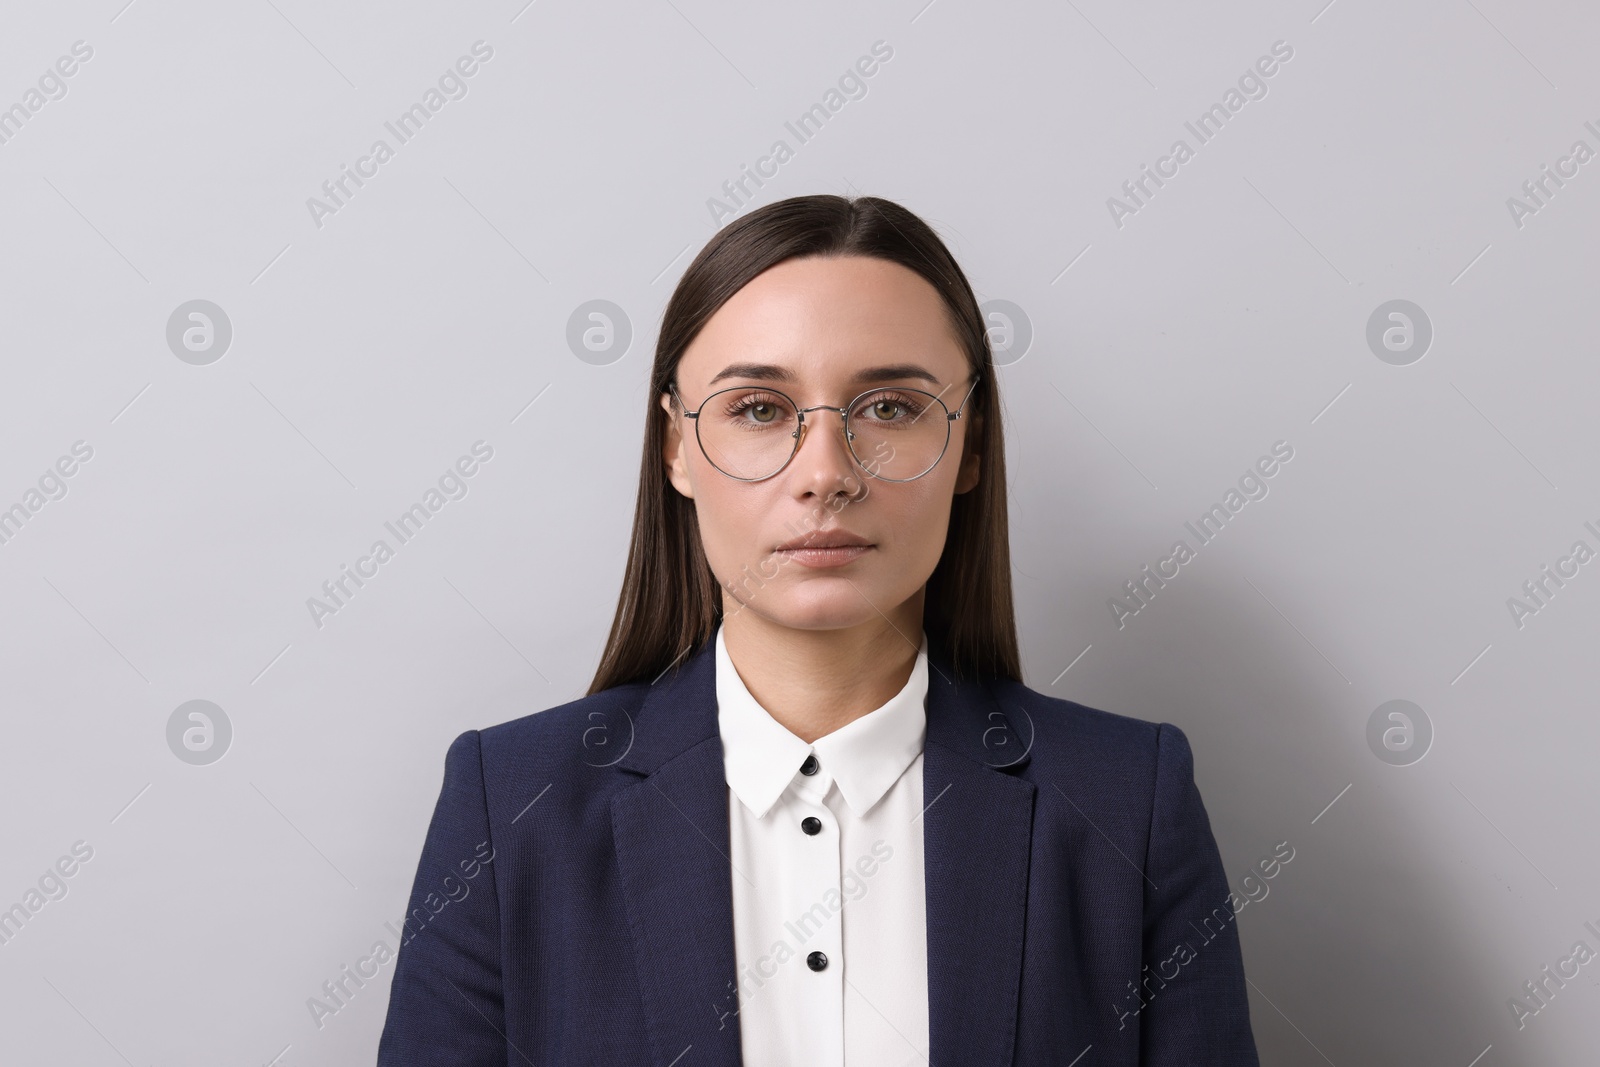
(750, 433)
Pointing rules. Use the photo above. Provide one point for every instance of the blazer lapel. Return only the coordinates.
(671, 833)
(977, 831)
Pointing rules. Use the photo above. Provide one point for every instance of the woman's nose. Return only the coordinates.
(831, 457)
(826, 423)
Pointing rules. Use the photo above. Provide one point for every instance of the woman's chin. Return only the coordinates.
(819, 609)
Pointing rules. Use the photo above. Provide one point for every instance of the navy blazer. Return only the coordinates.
(573, 903)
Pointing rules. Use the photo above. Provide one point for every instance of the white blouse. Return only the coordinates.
(829, 911)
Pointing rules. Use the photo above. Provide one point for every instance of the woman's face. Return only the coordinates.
(822, 330)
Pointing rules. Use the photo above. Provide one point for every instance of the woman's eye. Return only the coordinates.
(755, 410)
(889, 408)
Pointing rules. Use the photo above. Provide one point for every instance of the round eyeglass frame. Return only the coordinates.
(799, 433)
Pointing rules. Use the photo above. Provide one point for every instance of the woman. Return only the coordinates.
(808, 813)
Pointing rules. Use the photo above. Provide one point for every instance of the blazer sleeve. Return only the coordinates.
(445, 1000)
(1197, 1011)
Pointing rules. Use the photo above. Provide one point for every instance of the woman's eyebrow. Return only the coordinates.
(771, 372)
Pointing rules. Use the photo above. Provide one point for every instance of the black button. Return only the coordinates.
(811, 824)
(816, 961)
(809, 766)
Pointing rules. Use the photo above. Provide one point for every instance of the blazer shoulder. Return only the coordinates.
(565, 724)
(566, 748)
(1065, 730)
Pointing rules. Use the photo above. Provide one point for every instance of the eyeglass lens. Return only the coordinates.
(896, 434)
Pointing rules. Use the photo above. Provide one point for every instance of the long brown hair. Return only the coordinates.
(670, 604)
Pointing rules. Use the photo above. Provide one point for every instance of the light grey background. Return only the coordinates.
(432, 311)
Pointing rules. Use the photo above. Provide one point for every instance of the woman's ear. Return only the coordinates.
(672, 450)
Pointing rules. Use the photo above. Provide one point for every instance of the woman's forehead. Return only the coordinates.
(828, 322)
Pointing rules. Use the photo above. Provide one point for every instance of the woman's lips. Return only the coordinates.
(824, 557)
